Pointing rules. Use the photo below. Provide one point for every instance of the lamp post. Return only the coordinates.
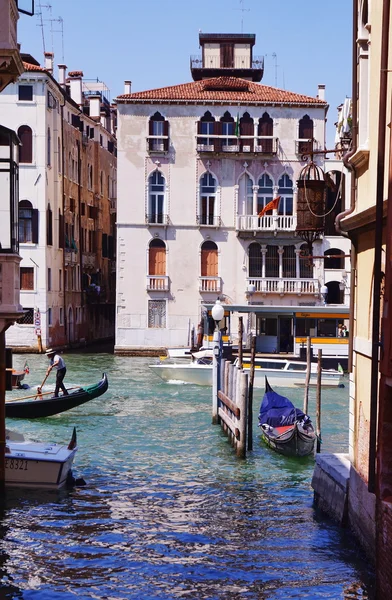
(217, 313)
(324, 294)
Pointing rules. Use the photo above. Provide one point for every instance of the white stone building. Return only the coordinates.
(197, 163)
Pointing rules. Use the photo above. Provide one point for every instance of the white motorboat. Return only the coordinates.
(38, 465)
(279, 371)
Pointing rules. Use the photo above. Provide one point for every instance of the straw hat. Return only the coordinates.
(50, 351)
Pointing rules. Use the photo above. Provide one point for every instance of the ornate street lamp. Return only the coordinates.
(217, 313)
(324, 293)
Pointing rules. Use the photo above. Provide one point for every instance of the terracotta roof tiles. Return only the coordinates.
(30, 67)
(221, 89)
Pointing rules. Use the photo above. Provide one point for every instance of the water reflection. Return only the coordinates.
(168, 510)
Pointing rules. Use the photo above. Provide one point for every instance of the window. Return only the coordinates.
(49, 148)
(58, 155)
(26, 149)
(25, 93)
(156, 197)
(334, 259)
(49, 279)
(247, 133)
(267, 326)
(306, 327)
(101, 183)
(157, 314)
(49, 226)
(245, 195)
(104, 245)
(255, 260)
(265, 131)
(285, 192)
(158, 140)
(60, 280)
(265, 193)
(207, 199)
(61, 315)
(157, 257)
(49, 317)
(327, 328)
(305, 263)
(209, 261)
(305, 135)
(206, 128)
(228, 130)
(90, 177)
(28, 317)
(28, 223)
(289, 262)
(272, 262)
(26, 278)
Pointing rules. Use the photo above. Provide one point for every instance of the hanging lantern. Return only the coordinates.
(312, 193)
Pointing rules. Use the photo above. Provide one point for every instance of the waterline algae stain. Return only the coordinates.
(168, 510)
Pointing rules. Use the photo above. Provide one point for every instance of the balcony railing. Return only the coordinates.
(239, 62)
(157, 283)
(113, 205)
(266, 223)
(208, 221)
(246, 144)
(157, 219)
(210, 284)
(272, 285)
(157, 144)
(88, 259)
(70, 256)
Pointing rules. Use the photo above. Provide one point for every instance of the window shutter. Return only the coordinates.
(166, 132)
(49, 227)
(61, 231)
(151, 127)
(217, 131)
(104, 245)
(111, 247)
(35, 225)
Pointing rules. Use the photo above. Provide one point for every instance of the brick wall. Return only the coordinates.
(384, 550)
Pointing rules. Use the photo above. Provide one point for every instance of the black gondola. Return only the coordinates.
(285, 428)
(47, 407)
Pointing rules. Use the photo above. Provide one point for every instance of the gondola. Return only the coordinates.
(284, 427)
(39, 406)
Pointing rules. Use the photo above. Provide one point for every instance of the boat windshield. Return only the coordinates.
(296, 367)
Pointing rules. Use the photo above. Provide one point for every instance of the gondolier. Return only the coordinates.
(57, 362)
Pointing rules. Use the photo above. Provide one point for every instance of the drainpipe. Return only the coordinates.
(353, 188)
(382, 127)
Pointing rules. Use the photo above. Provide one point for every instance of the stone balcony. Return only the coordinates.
(282, 286)
(269, 223)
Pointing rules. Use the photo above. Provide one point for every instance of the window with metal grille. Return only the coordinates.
(255, 260)
(157, 314)
(272, 262)
(289, 262)
(28, 317)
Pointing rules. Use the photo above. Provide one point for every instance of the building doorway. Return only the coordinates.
(286, 334)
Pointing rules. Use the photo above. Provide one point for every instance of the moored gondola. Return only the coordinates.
(284, 427)
(36, 407)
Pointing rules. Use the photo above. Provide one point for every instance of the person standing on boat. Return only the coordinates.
(57, 362)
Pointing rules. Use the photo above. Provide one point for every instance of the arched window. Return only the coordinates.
(245, 195)
(228, 130)
(157, 257)
(265, 193)
(272, 262)
(305, 263)
(49, 148)
(206, 128)
(255, 260)
(207, 199)
(156, 195)
(332, 259)
(335, 294)
(265, 132)
(26, 149)
(158, 140)
(289, 262)
(28, 223)
(209, 266)
(285, 192)
(247, 133)
(305, 135)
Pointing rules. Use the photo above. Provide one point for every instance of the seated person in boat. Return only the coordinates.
(57, 362)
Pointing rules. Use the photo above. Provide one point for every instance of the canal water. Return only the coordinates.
(168, 511)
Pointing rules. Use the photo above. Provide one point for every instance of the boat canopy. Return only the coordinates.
(277, 410)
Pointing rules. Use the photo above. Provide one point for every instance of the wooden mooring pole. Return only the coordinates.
(240, 342)
(250, 394)
(307, 378)
(318, 400)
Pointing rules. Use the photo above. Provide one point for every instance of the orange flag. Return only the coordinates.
(270, 206)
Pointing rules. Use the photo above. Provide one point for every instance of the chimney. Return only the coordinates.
(95, 105)
(49, 62)
(127, 87)
(62, 72)
(321, 91)
(75, 81)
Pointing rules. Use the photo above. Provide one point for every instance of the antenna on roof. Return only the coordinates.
(41, 24)
(61, 30)
(242, 9)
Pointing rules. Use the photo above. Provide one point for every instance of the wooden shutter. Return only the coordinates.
(49, 227)
(166, 132)
(26, 149)
(157, 261)
(34, 224)
(209, 263)
(217, 131)
(61, 231)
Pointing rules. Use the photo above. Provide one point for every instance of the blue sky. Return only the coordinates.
(150, 42)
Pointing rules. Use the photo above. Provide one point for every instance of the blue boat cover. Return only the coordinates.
(276, 410)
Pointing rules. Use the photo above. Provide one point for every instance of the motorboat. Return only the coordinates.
(285, 428)
(40, 405)
(38, 465)
(279, 371)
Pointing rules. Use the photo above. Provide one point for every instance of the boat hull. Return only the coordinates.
(290, 441)
(47, 407)
(202, 375)
(37, 465)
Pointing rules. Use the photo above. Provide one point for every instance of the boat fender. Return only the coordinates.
(341, 385)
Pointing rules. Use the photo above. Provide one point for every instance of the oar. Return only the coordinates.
(35, 395)
(39, 388)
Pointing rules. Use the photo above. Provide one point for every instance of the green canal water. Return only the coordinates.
(168, 511)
